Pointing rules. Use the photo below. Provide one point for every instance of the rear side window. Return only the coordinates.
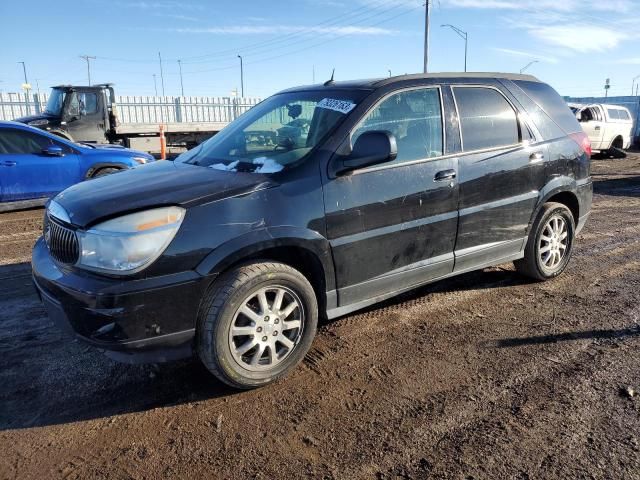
(487, 119)
(614, 114)
(551, 103)
(415, 119)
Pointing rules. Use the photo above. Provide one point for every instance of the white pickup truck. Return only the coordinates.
(607, 126)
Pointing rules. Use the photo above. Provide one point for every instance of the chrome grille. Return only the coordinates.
(62, 242)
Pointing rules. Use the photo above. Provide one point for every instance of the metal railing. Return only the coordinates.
(142, 109)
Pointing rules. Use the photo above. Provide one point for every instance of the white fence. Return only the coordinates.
(142, 109)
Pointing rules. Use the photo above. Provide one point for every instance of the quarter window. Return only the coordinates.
(414, 117)
(487, 120)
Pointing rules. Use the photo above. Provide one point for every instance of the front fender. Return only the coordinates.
(255, 241)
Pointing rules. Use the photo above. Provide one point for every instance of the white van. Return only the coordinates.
(608, 126)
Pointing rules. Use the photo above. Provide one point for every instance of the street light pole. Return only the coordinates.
(634, 83)
(161, 73)
(389, 72)
(426, 36)
(181, 84)
(465, 36)
(26, 87)
(528, 65)
(87, 58)
(155, 84)
(241, 77)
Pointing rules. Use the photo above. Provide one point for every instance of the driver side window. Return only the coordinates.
(414, 117)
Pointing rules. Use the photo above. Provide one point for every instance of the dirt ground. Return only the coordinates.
(486, 375)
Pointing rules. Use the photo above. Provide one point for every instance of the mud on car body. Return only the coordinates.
(234, 250)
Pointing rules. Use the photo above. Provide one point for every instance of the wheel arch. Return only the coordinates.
(561, 190)
(305, 250)
(95, 167)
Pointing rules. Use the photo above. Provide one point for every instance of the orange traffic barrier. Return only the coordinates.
(163, 144)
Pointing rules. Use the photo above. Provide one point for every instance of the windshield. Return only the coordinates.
(55, 103)
(275, 133)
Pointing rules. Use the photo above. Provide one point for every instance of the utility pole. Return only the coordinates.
(26, 87)
(161, 73)
(313, 74)
(87, 58)
(241, 77)
(426, 35)
(155, 84)
(181, 84)
(38, 97)
(465, 36)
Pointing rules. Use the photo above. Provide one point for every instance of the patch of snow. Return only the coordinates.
(267, 165)
(228, 168)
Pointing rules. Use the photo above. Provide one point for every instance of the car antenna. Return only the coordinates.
(330, 81)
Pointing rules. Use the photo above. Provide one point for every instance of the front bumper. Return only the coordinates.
(132, 320)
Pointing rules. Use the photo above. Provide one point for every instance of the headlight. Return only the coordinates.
(140, 160)
(36, 123)
(129, 243)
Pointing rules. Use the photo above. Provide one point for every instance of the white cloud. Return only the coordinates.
(520, 53)
(628, 61)
(286, 29)
(580, 37)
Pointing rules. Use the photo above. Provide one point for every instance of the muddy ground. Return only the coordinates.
(486, 375)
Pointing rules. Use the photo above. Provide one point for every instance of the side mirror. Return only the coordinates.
(371, 148)
(53, 151)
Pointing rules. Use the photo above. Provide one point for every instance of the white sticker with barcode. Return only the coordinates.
(342, 106)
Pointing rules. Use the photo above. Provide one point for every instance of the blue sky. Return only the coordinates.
(578, 43)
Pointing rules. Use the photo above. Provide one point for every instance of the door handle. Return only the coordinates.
(597, 127)
(536, 157)
(444, 175)
(8, 163)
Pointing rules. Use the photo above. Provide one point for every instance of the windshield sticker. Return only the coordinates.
(342, 106)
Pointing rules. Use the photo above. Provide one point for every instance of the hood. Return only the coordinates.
(115, 150)
(31, 118)
(153, 185)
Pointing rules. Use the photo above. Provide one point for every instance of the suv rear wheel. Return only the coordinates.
(257, 324)
(550, 243)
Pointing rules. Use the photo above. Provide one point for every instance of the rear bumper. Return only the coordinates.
(132, 320)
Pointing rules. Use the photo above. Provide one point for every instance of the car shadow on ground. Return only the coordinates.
(624, 186)
(51, 378)
(611, 334)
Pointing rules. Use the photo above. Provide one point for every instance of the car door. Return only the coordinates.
(501, 170)
(27, 172)
(392, 226)
(593, 124)
(85, 114)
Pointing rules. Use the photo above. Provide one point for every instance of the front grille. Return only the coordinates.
(62, 242)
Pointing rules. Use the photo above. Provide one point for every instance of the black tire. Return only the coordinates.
(532, 264)
(218, 313)
(104, 171)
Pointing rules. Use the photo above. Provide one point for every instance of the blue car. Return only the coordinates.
(36, 165)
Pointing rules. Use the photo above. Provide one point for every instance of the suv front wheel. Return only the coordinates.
(257, 324)
(550, 243)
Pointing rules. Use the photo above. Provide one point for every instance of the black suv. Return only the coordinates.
(317, 202)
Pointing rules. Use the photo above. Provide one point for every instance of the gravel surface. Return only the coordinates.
(486, 375)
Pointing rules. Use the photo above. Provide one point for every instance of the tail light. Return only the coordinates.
(583, 141)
